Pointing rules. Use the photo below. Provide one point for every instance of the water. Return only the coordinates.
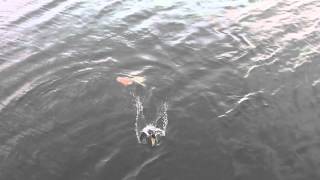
(240, 81)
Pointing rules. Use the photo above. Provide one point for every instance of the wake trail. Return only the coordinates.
(159, 123)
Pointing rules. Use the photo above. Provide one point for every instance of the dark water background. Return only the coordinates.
(241, 79)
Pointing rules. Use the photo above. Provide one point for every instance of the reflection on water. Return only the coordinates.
(238, 82)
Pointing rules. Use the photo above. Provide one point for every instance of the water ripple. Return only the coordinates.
(134, 173)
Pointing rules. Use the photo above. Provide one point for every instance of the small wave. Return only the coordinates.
(23, 82)
(106, 159)
(30, 85)
(133, 174)
(316, 82)
(264, 59)
(240, 101)
(7, 147)
(18, 93)
(44, 12)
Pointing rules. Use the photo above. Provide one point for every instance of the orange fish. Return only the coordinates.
(125, 81)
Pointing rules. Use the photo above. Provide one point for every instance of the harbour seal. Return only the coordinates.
(150, 135)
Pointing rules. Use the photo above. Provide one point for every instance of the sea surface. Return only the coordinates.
(237, 81)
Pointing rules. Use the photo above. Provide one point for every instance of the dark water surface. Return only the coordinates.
(241, 79)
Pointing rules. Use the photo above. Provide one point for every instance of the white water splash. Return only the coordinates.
(159, 123)
(162, 119)
(139, 117)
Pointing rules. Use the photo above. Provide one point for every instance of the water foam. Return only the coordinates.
(159, 124)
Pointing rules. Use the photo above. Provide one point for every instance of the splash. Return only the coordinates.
(159, 124)
(140, 119)
(162, 119)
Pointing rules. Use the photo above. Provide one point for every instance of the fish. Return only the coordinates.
(125, 81)
(139, 80)
(130, 80)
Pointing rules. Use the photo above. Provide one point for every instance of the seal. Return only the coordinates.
(150, 135)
